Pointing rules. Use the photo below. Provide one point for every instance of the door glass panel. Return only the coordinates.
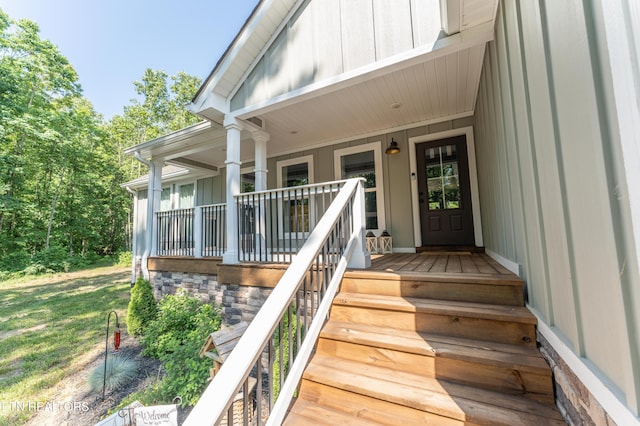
(443, 180)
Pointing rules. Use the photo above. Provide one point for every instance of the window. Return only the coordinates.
(185, 196)
(165, 199)
(248, 182)
(364, 161)
(292, 173)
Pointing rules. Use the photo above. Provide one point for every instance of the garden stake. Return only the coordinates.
(116, 343)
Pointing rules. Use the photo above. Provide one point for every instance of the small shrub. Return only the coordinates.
(123, 258)
(142, 307)
(175, 337)
(119, 372)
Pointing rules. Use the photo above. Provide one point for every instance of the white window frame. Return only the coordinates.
(290, 162)
(376, 147)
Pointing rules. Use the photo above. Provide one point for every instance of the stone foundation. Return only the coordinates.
(576, 403)
(237, 302)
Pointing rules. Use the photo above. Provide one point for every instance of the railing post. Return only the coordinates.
(361, 258)
(197, 232)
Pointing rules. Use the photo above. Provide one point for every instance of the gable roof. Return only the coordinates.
(260, 27)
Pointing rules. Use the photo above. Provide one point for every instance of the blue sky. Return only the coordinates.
(110, 43)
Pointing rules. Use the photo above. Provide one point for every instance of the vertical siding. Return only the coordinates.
(545, 187)
(326, 38)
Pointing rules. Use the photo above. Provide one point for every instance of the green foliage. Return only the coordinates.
(142, 308)
(175, 337)
(284, 352)
(61, 165)
(123, 258)
(119, 371)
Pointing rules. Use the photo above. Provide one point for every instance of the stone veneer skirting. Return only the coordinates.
(238, 290)
(576, 403)
(236, 302)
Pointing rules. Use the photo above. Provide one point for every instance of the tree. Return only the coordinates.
(61, 166)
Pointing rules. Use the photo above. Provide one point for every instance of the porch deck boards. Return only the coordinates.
(438, 262)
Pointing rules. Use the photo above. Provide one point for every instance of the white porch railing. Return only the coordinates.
(274, 224)
(274, 350)
(196, 232)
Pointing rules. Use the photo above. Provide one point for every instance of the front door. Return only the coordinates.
(446, 215)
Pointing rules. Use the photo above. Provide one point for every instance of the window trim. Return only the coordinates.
(290, 162)
(376, 147)
(308, 159)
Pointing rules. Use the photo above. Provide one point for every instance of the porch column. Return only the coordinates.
(233, 163)
(260, 170)
(155, 205)
(261, 138)
(360, 258)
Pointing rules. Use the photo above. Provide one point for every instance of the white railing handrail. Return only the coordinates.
(290, 385)
(214, 402)
(212, 205)
(185, 209)
(292, 188)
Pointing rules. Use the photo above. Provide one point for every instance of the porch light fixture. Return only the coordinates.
(393, 148)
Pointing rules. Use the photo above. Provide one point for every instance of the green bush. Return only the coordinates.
(142, 307)
(123, 258)
(175, 337)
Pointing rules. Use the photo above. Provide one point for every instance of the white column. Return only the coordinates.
(360, 258)
(260, 170)
(156, 190)
(233, 163)
(261, 138)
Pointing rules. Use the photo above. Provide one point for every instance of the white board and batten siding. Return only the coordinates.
(548, 184)
(324, 39)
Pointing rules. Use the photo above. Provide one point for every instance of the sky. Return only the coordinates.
(110, 43)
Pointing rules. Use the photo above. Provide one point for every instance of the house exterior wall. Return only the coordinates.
(326, 38)
(550, 192)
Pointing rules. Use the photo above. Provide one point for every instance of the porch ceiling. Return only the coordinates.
(431, 90)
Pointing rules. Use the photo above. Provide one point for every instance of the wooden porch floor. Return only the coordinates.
(438, 262)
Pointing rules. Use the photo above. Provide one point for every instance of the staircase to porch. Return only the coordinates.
(408, 345)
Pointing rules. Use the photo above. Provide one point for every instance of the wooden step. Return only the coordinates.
(305, 412)
(416, 392)
(507, 368)
(479, 288)
(502, 324)
(375, 411)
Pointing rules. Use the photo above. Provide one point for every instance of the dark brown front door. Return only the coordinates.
(446, 215)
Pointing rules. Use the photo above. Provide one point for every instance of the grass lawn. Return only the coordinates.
(46, 324)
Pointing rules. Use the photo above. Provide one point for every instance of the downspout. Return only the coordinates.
(149, 227)
(134, 234)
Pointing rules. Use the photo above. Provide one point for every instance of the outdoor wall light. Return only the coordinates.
(393, 148)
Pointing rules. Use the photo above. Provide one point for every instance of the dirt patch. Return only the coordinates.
(74, 404)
